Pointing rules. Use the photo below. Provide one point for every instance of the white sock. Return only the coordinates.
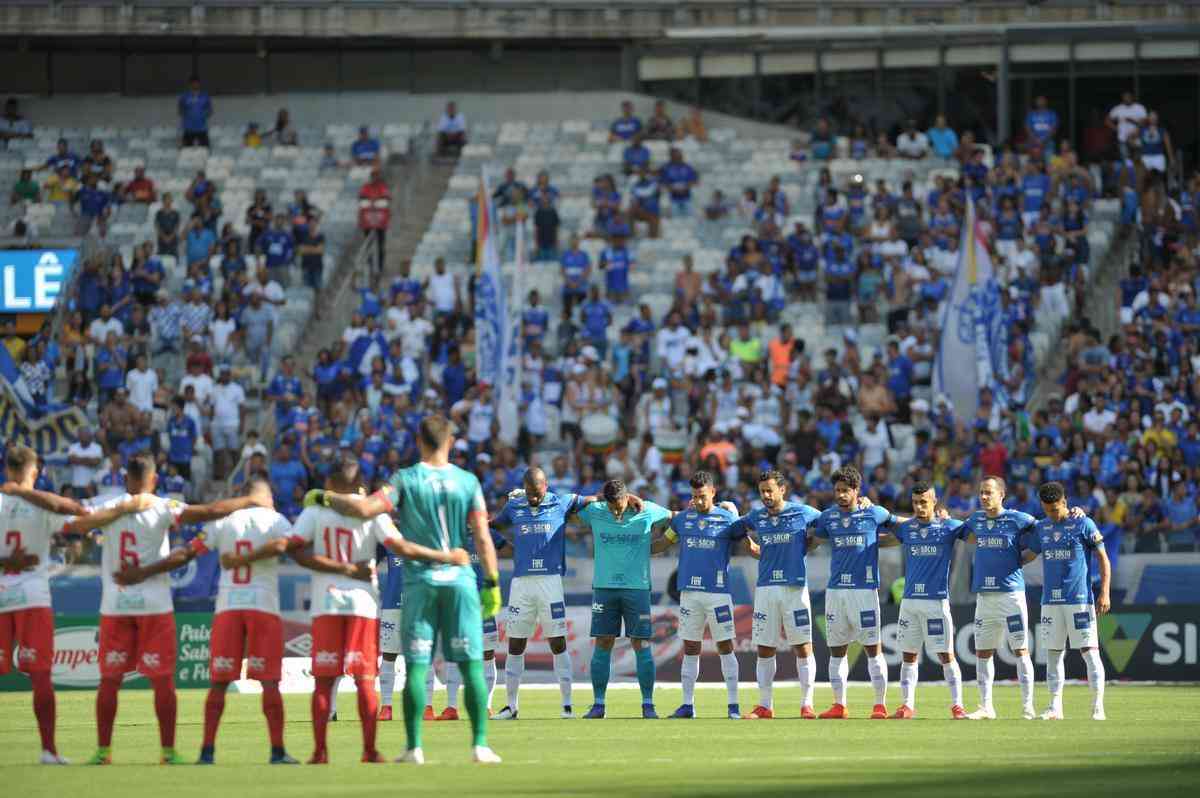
(953, 676)
(430, 684)
(908, 684)
(333, 696)
(387, 681)
(689, 672)
(1056, 674)
(729, 669)
(1025, 677)
(454, 680)
(985, 672)
(1095, 674)
(514, 668)
(489, 678)
(806, 667)
(765, 670)
(563, 669)
(839, 672)
(877, 667)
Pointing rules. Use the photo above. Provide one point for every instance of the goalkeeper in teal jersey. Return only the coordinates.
(441, 506)
(624, 536)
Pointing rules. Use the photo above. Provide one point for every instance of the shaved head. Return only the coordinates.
(535, 485)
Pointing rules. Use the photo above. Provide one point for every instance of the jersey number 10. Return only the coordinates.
(339, 543)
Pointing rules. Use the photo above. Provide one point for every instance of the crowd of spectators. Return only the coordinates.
(721, 380)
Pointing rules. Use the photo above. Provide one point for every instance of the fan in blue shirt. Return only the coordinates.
(1066, 543)
(365, 150)
(195, 108)
(706, 534)
(182, 435)
(626, 126)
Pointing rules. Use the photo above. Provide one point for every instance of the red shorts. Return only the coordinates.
(258, 635)
(142, 643)
(31, 633)
(346, 644)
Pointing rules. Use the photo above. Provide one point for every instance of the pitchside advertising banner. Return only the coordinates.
(1139, 643)
(31, 280)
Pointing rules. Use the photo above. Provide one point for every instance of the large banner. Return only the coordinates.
(48, 430)
(77, 654)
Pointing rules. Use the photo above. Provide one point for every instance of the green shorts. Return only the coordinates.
(442, 611)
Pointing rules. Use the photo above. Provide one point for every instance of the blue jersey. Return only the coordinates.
(928, 552)
(538, 533)
(704, 541)
(998, 543)
(783, 539)
(391, 595)
(854, 540)
(1066, 547)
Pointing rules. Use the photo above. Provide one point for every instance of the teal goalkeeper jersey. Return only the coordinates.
(432, 508)
(622, 547)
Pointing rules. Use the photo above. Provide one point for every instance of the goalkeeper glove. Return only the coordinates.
(489, 597)
(316, 498)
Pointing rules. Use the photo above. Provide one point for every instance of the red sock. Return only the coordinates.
(43, 708)
(368, 710)
(214, 705)
(272, 707)
(320, 710)
(165, 708)
(106, 710)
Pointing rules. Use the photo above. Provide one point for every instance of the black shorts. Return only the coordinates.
(195, 138)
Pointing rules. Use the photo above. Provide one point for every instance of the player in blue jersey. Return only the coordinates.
(706, 533)
(624, 537)
(928, 547)
(852, 595)
(537, 523)
(391, 603)
(781, 598)
(999, 585)
(1066, 543)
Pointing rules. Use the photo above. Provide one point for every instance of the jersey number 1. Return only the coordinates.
(339, 545)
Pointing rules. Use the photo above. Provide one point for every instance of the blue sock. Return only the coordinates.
(645, 672)
(600, 668)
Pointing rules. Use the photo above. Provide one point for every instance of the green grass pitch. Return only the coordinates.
(1150, 746)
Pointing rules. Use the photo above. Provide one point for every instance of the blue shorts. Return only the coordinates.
(612, 605)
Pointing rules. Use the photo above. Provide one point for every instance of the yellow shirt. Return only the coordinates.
(59, 190)
(253, 140)
(1164, 439)
(746, 351)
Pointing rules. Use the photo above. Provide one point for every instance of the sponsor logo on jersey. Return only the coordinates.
(460, 643)
(116, 658)
(150, 659)
(701, 543)
(25, 654)
(597, 607)
(326, 658)
(222, 663)
(991, 524)
(256, 664)
(354, 658)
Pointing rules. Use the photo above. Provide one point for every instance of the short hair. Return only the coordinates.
(140, 466)
(19, 457)
(1051, 493)
(346, 474)
(614, 490)
(434, 430)
(702, 479)
(1000, 483)
(773, 475)
(919, 488)
(256, 480)
(849, 475)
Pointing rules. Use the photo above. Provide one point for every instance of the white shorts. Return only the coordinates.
(851, 614)
(491, 635)
(926, 621)
(1008, 249)
(1000, 616)
(1029, 219)
(698, 609)
(1155, 163)
(534, 600)
(1073, 622)
(389, 631)
(785, 605)
(225, 437)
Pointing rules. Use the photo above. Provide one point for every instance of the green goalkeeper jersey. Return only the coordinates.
(433, 505)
